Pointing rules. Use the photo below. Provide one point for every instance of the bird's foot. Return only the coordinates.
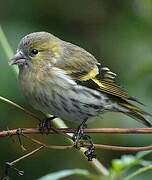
(90, 152)
(80, 135)
(45, 125)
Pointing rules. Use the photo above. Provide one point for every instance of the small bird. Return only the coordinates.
(64, 80)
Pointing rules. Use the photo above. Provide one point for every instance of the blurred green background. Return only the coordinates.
(118, 33)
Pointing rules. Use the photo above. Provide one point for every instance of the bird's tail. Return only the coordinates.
(136, 113)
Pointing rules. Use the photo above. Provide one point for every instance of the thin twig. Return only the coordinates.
(26, 155)
(65, 130)
(19, 107)
(121, 148)
(99, 146)
(72, 130)
(60, 147)
(9, 165)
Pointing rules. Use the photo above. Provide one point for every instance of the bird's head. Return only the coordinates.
(37, 48)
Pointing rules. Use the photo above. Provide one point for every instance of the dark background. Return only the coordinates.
(117, 33)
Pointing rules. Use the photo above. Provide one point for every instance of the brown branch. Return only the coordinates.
(72, 130)
(63, 131)
(121, 148)
(26, 155)
(61, 147)
(99, 146)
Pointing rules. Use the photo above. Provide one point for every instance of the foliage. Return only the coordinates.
(119, 167)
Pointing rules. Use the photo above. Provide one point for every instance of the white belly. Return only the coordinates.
(64, 99)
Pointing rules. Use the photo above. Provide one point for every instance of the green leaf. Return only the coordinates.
(126, 161)
(117, 165)
(139, 171)
(143, 153)
(69, 172)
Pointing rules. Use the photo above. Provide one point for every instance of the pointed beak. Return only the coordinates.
(18, 59)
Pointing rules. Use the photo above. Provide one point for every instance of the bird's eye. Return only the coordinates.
(34, 52)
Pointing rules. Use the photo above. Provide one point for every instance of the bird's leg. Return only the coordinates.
(90, 152)
(46, 124)
(79, 133)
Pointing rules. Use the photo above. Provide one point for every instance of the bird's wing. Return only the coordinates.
(85, 70)
(82, 67)
(104, 81)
